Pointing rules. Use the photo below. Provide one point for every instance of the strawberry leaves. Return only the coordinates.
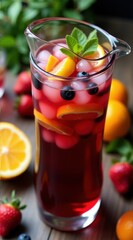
(80, 44)
(122, 147)
(121, 172)
(15, 202)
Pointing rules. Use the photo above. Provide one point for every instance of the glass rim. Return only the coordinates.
(63, 19)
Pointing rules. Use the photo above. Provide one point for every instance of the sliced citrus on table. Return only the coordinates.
(98, 54)
(52, 61)
(15, 151)
(52, 125)
(64, 68)
(74, 111)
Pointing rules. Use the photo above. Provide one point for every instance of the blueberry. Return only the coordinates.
(24, 236)
(92, 88)
(83, 74)
(35, 79)
(67, 93)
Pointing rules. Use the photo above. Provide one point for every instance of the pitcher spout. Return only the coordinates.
(34, 41)
(120, 47)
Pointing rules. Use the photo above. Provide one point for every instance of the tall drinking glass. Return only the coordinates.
(70, 95)
(2, 71)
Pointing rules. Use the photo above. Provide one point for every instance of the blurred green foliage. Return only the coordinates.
(15, 15)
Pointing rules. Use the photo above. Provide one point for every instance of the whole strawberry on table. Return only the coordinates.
(10, 214)
(22, 89)
(121, 171)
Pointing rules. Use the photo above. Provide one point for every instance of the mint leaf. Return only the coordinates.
(80, 44)
(79, 36)
(71, 42)
(91, 44)
(67, 52)
(93, 35)
(77, 49)
(90, 47)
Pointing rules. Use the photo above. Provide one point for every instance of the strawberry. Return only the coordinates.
(24, 105)
(121, 174)
(23, 83)
(10, 214)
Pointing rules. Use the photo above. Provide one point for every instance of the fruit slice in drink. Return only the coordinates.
(52, 61)
(52, 125)
(64, 68)
(73, 111)
(98, 54)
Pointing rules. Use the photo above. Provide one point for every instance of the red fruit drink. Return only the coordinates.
(71, 78)
(68, 172)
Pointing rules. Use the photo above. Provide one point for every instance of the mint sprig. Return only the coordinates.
(78, 43)
(123, 147)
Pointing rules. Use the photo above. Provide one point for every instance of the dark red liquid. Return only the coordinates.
(68, 182)
(68, 178)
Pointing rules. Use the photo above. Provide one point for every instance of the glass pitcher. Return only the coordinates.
(70, 95)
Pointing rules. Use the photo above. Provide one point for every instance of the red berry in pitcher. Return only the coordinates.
(84, 127)
(47, 109)
(48, 135)
(66, 142)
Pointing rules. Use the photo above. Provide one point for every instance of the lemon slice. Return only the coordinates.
(98, 54)
(64, 68)
(52, 125)
(75, 112)
(15, 151)
(52, 61)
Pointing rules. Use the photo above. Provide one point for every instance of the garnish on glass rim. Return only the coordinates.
(80, 44)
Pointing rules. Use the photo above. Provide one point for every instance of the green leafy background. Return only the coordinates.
(15, 15)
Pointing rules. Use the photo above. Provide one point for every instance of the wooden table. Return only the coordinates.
(113, 205)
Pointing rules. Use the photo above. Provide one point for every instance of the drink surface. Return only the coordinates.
(70, 115)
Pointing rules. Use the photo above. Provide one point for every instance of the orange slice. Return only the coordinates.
(15, 151)
(52, 125)
(98, 54)
(75, 112)
(64, 68)
(52, 61)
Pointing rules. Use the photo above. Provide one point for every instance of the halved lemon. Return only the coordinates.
(98, 54)
(75, 112)
(64, 68)
(52, 61)
(52, 125)
(15, 151)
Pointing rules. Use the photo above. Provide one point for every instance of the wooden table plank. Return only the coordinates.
(113, 205)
